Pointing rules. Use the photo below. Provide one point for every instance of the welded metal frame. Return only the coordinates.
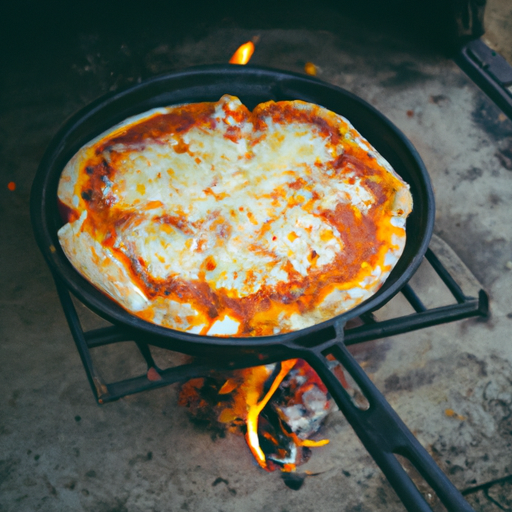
(314, 344)
(399, 440)
(464, 306)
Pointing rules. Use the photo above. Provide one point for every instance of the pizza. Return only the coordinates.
(216, 220)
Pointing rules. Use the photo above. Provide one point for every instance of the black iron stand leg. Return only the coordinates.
(99, 388)
(153, 373)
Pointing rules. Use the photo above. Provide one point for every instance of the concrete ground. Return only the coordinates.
(59, 451)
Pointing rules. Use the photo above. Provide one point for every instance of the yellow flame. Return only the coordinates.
(256, 407)
(243, 54)
(307, 442)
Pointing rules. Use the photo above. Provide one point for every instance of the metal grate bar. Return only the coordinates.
(195, 369)
(117, 390)
(413, 299)
(107, 336)
(447, 279)
(409, 323)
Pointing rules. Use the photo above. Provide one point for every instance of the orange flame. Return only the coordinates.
(243, 54)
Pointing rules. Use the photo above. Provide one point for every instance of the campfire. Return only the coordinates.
(278, 408)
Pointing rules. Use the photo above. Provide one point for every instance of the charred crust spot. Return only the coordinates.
(233, 133)
(87, 195)
(297, 184)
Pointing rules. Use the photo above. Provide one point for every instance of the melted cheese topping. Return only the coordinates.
(215, 220)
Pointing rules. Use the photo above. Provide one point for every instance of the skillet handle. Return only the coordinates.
(384, 434)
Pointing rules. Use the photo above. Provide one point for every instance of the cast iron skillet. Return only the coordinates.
(379, 428)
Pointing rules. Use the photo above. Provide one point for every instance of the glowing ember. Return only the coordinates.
(243, 54)
(310, 69)
(277, 407)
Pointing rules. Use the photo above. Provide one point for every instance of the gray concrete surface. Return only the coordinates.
(59, 451)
